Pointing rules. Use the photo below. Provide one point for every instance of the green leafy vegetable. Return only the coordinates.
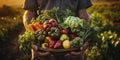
(77, 42)
(25, 41)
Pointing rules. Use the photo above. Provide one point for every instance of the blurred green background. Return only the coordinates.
(104, 14)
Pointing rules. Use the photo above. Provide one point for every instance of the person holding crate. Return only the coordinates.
(78, 7)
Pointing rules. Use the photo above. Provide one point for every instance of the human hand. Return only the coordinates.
(35, 48)
(83, 14)
(77, 54)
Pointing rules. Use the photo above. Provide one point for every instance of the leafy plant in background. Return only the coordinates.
(109, 11)
(107, 48)
(8, 26)
(110, 42)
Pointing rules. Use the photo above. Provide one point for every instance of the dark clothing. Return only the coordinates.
(73, 5)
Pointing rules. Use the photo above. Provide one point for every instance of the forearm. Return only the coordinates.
(28, 15)
(83, 14)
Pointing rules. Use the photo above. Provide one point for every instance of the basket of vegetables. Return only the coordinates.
(58, 32)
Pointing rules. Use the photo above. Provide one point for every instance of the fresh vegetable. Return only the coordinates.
(44, 45)
(37, 26)
(25, 41)
(41, 19)
(31, 27)
(64, 37)
(72, 36)
(72, 21)
(54, 33)
(76, 43)
(59, 29)
(50, 23)
(55, 13)
(52, 43)
(53, 22)
(66, 44)
(40, 36)
(58, 44)
(65, 31)
(48, 39)
(75, 24)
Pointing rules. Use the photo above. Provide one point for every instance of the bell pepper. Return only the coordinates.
(58, 44)
(52, 43)
(72, 36)
(44, 45)
(48, 39)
